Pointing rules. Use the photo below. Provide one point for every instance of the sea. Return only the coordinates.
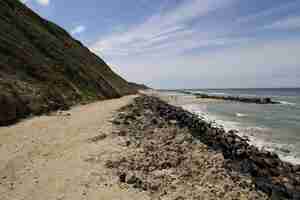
(273, 127)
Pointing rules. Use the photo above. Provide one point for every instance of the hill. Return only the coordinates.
(42, 68)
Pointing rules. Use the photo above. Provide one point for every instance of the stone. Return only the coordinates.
(296, 168)
(122, 177)
(122, 133)
(173, 122)
(98, 138)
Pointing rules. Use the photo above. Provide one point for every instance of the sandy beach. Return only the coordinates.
(62, 156)
(135, 147)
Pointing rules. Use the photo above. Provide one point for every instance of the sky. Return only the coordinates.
(188, 43)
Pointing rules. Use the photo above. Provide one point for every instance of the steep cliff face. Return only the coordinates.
(42, 68)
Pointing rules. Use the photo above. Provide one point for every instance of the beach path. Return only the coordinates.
(53, 157)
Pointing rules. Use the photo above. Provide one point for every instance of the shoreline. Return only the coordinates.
(268, 173)
(250, 133)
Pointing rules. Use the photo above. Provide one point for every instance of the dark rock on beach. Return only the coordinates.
(168, 137)
(42, 68)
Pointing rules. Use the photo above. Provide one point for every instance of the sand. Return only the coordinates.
(62, 156)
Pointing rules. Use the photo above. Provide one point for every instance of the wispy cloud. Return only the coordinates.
(267, 12)
(288, 23)
(163, 30)
(189, 45)
(78, 29)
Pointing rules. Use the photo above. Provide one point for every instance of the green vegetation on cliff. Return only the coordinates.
(42, 68)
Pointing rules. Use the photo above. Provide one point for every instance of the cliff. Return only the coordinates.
(42, 68)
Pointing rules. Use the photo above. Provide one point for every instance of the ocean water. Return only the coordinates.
(272, 127)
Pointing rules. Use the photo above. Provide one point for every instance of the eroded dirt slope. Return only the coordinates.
(42, 68)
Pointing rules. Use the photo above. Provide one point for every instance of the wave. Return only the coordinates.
(257, 136)
(197, 91)
(287, 103)
(291, 158)
(261, 138)
(206, 92)
(241, 115)
(217, 93)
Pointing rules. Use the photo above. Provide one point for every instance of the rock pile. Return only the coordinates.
(257, 100)
(168, 139)
(164, 158)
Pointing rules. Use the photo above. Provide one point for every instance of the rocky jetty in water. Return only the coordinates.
(42, 68)
(257, 100)
(172, 149)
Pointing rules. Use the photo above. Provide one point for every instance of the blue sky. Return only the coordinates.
(188, 43)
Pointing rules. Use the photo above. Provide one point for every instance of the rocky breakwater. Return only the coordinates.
(168, 139)
(257, 100)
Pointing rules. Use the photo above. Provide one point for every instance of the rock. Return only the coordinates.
(179, 198)
(233, 131)
(296, 168)
(110, 164)
(122, 177)
(8, 109)
(98, 138)
(122, 133)
(173, 122)
(135, 181)
(116, 122)
(154, 185)
(154, 121)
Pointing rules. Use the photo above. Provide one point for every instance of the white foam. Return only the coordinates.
(218, 93)
(254, 134)
(196, 91)
(241, 114)
(287, 103)
(292, 159)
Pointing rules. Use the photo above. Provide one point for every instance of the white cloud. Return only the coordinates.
(288, 23)
(78, 29)
(43, 2)
(40, 2)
